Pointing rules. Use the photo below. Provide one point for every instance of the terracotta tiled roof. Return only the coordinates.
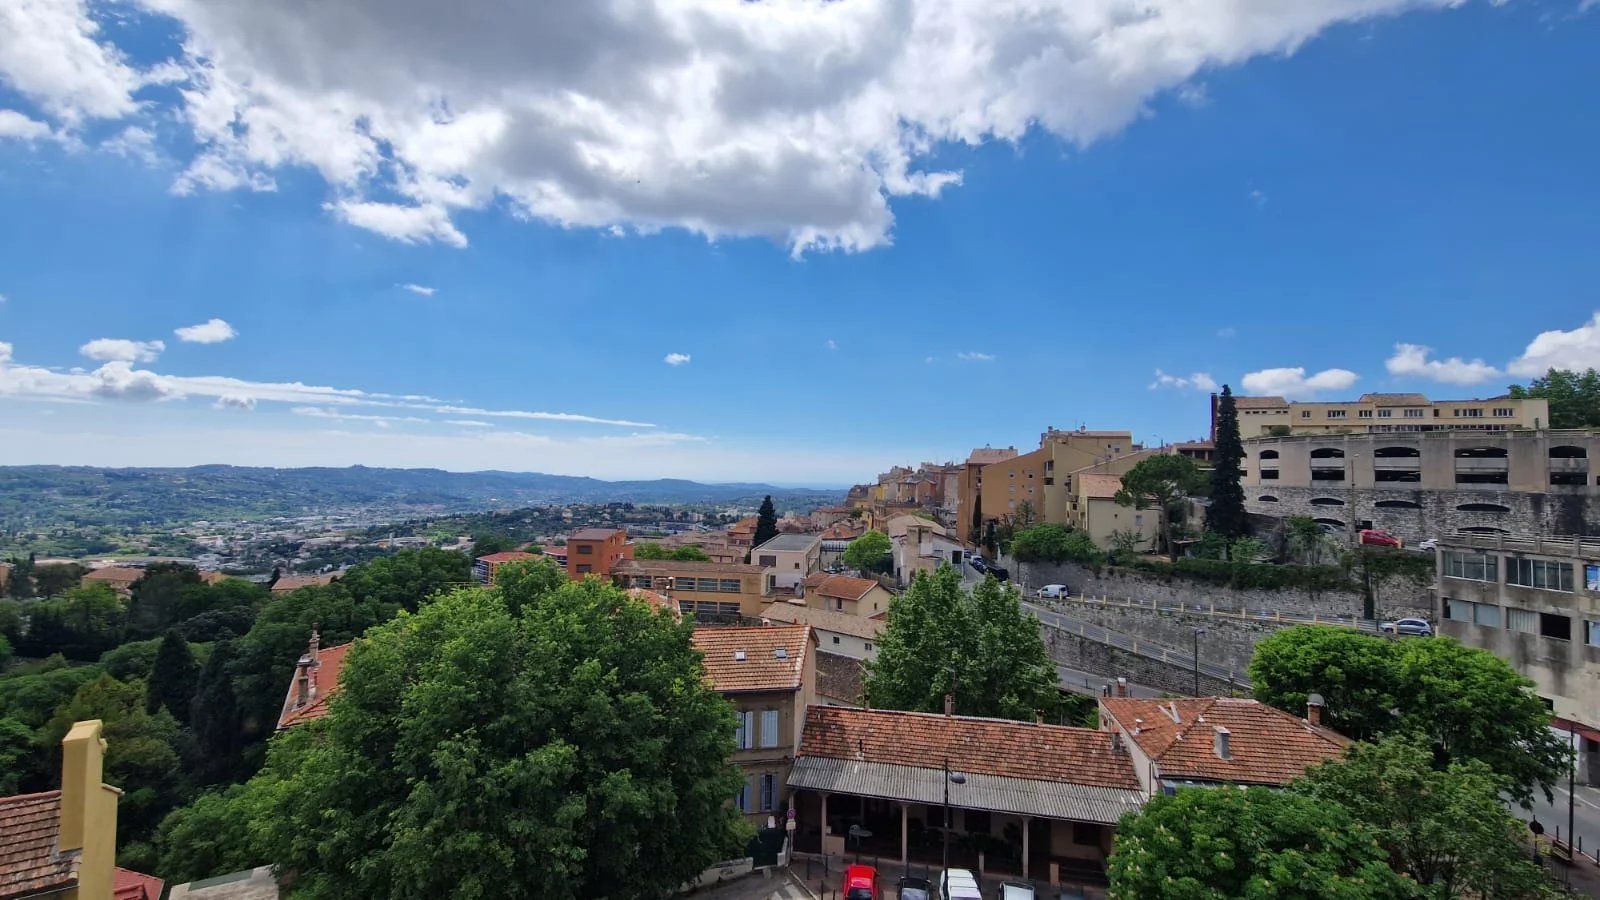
(506, 556)
(1100, 487)
(1260, 403)
(593, 534)
(131, 885)
(842, 531)
(657, 601)
(845, 587)
(114, 574)
(286, 583)
(325, 682)
(988, 455)
(983, 746)
(744, 525)
(762, 668)
(825, 620)
(30, 826)
(840, 677)
(1265, 745)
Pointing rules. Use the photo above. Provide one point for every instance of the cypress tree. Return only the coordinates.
(1226, 515)
(766, 522)
(171, 681)
(214, 716)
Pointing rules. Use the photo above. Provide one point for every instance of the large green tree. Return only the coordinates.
(1055, 544)
(1574, 397)
(574, 752)
(171, 684)
(980, 647)
(81, 624)
(766, 522)
(1445, 828)
(1226, 515)
(16, 755)
(1163, 483)
(56, 579)
(686, 553)
(1466, 703)
(157, 596)
(214, 718)
(869, 552)
(1233, 844)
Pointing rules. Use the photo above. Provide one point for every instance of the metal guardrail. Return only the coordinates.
(1148, 649)
(1259, 616)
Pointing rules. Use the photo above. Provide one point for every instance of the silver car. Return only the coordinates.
(1415, 627)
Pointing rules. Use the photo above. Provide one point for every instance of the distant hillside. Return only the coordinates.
(45, 495)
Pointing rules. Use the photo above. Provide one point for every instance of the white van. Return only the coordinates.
(958, 884)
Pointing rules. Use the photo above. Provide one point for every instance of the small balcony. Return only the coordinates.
(1567, 464)
(1397, 464)
(1489, 464)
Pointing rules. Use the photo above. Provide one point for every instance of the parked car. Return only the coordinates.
(913, 888)
(1430, 545)
(1000, 573)
(958, 884)
(1418, 627)
(1379, 538)
(977, 563)
(1053, 592)
(860, 883)
(1015, 890)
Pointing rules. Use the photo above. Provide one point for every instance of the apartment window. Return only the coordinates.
(1471, 566)
(585, 550)
(1457, 610)
(1591, 633)
(1363, 413)
(1554, 626)
(584, 568)
(1269, 474)
(1504, 412)
(1385, 413)
(769, 728)
(744, 735)
(836, 639)
(1138, 520)
(1543, 574)
(769, 561)
(769, 792)
(741, 800)
(1335, 413)
(1305, 414)
(1524, 621)
(839, 604)
(1486, 615)
(1327, 474)
(1413, 414)
(641, 581)
(869, 646)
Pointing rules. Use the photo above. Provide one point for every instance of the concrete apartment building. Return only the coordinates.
(838, 633)
(707, 591)
(788, 559)
(485, 567)
(969, 485)
(767, 673)
(1044, 478)
(1381, 414)
(1095, 511)
(1430, 484)
(1535, 603)
(596, 551)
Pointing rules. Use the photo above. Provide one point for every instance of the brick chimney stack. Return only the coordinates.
(1314, 705)
(949, 704)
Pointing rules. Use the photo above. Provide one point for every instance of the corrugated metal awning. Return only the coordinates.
(1021, 796)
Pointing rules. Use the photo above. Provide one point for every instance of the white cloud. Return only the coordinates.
(1227, 332)
(469, 423)
(1411, 360)
(135, 143)
(16, 125)
(108, 349)
(235, 401)
(212, 331)
(1258, 197)
(974, 356)
(831, 344)
(418, 289)
(715, 117)
(318, 412)
(2, 299)
(5, 353)
(676, 359)
(1199, 381)
(1578, 349)
(535, 416)
(1293, 382)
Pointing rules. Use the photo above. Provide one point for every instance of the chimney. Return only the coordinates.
(1122, 687)
(1224, 751)
(316, 643)
(1038, 717)
(88, 809)
(302, 681)
(1314, 705)
(949, 704)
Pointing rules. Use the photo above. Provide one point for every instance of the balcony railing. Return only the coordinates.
(1568, 464)
(1483, 465)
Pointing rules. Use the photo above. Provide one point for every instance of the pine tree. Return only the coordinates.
(766, 523)
(171, 681)
(214, 716)
(1227, 516)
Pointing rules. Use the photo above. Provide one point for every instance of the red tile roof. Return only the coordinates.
(1265, 745)
(114, 574)
(845, 587)
(1100, 487)
(1260, 403)
(593, 534)
(983, 746)
(131, 885)
(825, 619)
(30, 826)
(761, 669)
(840, 677)
(286, 583)
(506, 556)
(989, 455)
(324, 683)
(657, 601)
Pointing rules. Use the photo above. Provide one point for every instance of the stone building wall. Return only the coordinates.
(1418, 514)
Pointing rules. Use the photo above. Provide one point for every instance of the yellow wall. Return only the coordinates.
(88, 811)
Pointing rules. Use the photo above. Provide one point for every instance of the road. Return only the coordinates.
(1089, 683)
(1585, 809)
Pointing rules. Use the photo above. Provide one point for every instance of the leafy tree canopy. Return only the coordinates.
(172, 673)
(1228, 843)
(1055, 544)
(574, 752)
(981, 647)
(1574, 397)
(869, 552)
(1446, 829)
(16, 750)
(686, 553)
(1163, 482)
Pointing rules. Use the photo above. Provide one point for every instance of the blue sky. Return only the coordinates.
(959, 223)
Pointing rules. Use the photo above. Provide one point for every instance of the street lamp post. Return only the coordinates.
(949, 779)
(1196, 659)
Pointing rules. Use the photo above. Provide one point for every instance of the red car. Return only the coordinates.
(1379, 538)
(860, 883)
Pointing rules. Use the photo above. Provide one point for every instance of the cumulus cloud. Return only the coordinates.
(676, 359)
(235, 401)
(1199, 381)
(135, 143)
(1293, 382)
(16, 125)
(1412, 360)
(721, 118)
(108, 349)
(212, 331)
(418, 289)
(1577, 349)
(974, 356)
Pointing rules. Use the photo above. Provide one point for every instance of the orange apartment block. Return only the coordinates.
(596, 551)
